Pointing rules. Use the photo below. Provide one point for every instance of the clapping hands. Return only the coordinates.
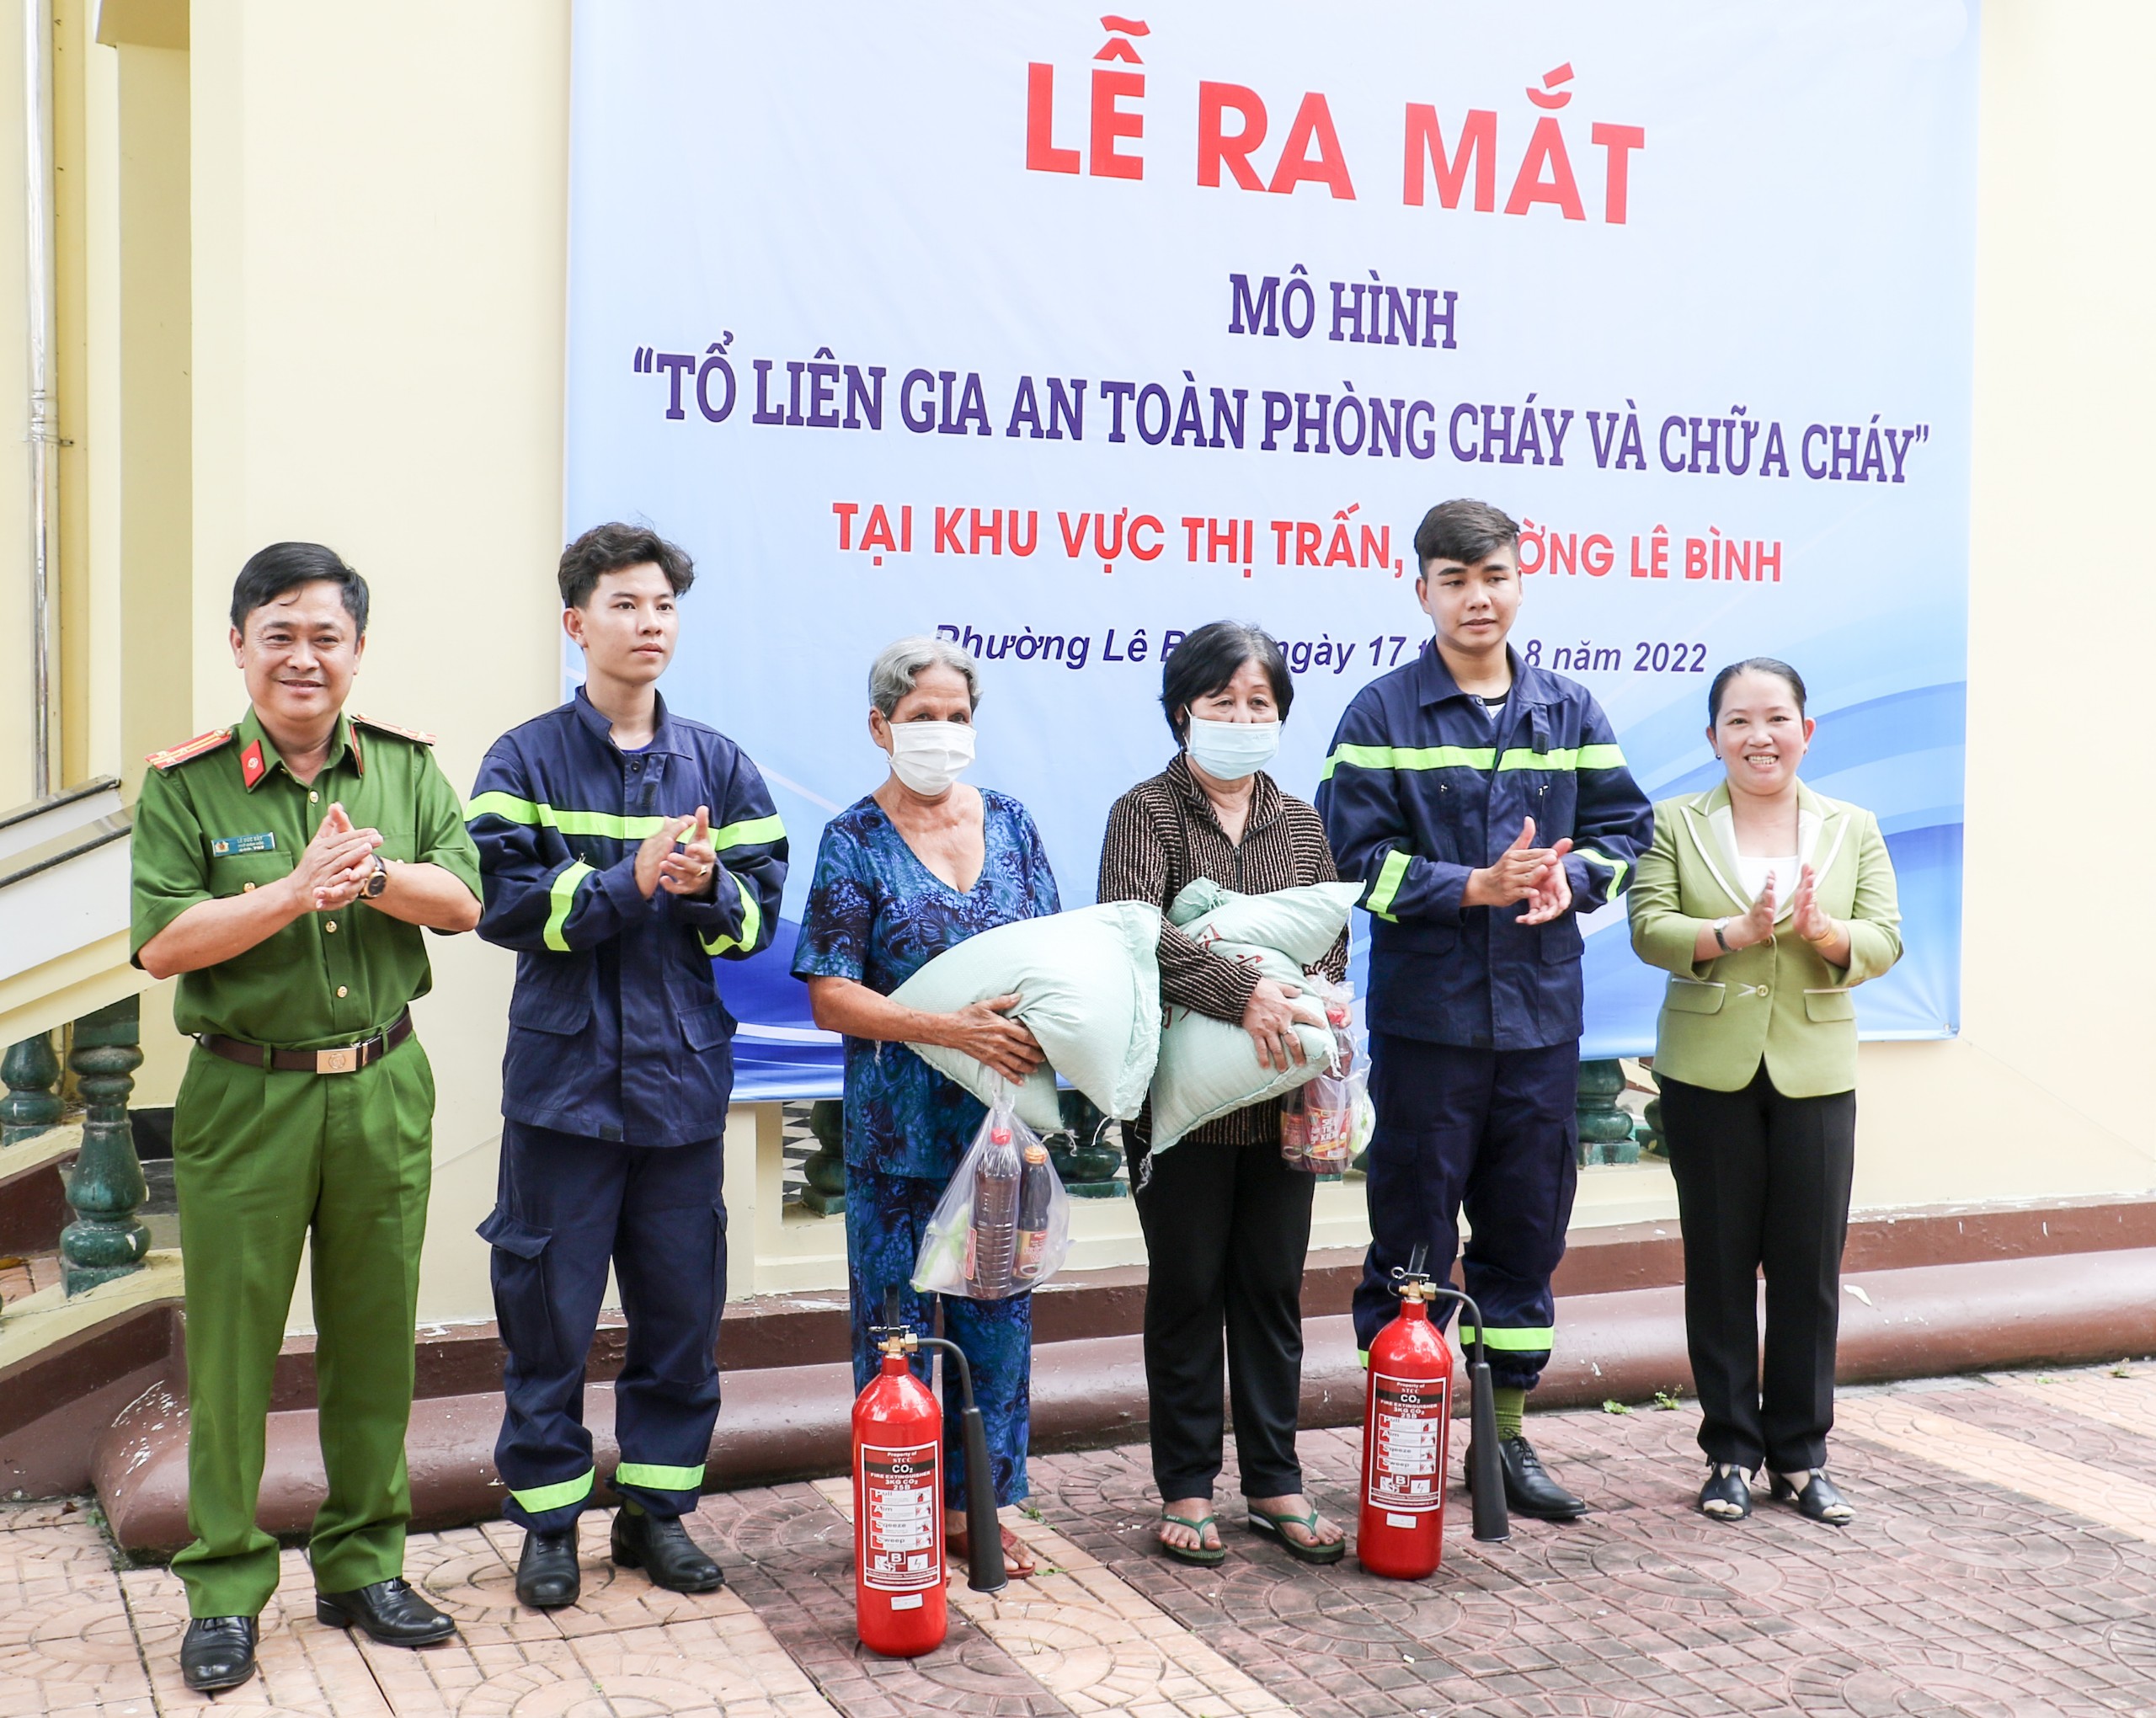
(336, 864)
(678, 856)
(1525, 872)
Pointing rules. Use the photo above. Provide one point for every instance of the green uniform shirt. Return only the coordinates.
(219, 816)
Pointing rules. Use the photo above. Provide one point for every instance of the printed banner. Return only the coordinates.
(1062, 334)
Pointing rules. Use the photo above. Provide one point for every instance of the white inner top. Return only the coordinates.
(1753, 872)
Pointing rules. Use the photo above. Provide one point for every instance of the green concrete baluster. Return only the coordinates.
(1605, 1130)
(31, 1070)
(1651, 1144)
(106, 1239)
(823, 1171)
(1081, 1152)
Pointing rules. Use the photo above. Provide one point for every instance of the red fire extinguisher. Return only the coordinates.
(1406, 1421)
(898, 1498)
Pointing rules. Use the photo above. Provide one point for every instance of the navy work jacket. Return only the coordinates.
(1420, 787)
(616, 1031)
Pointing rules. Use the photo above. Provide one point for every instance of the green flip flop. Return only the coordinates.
(1197, 1556)
(1271, 1527)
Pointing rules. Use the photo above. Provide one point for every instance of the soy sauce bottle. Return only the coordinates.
(1035, 1187)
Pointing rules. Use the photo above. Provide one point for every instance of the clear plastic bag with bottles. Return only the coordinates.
(1326, 1121)
(1003, 1224)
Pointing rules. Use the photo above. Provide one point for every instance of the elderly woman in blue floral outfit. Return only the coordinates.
(920, 865)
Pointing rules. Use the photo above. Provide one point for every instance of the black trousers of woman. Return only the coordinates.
(1227, 1228)
(1762, 1184)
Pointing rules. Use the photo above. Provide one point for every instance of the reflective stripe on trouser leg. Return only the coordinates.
(551, 1232)
(671, 1261)
(541, 1500)
(1518, 1200)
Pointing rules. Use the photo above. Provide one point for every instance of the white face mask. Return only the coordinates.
(1228, 751)
(929, 756)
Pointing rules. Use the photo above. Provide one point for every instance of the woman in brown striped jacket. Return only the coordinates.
(1227, 1222)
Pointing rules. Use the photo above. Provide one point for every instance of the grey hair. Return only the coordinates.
(899, 664)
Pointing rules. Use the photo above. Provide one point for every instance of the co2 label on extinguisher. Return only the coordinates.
(1408, 1418)
(898, 1508)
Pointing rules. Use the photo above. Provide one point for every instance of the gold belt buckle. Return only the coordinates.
(344, 1061)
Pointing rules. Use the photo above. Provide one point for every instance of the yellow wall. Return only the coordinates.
(377, 234)
(2045, 1092)
(15, 705)
(379, 224)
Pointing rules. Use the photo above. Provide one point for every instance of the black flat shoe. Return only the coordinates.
(389, 1612)
(217, 1653)
(660, 1546)
(1528, 1489)
(1726, 1495)
(1817, 1502)
(547, 1575)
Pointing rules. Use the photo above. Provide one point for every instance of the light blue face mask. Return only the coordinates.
(1228, 751)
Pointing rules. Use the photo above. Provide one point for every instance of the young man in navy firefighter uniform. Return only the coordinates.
(1483, 804)
(621, 848)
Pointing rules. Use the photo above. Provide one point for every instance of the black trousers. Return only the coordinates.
(1763, 1185)
(1227, 1229)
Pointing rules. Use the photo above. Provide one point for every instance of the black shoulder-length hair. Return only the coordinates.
(1209, 659)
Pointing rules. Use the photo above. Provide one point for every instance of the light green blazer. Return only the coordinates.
(1778, 998)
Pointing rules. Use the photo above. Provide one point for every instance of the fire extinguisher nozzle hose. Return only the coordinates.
(1486, 1477)
(985, 1572)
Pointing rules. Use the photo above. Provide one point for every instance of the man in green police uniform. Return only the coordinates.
(283, 867)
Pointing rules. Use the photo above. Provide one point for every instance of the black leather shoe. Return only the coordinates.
(1728, 1494)
(1817, 1502)
(660, 1546)
(217, 1653)
(547, 1575)
(388, 1611)
(1528, 1489)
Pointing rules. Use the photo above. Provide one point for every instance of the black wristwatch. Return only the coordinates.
(375, 884)
(1719, 925)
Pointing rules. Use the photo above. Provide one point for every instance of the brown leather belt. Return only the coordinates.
(345, 1058)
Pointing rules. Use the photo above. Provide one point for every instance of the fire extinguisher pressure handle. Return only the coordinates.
(985, 1572)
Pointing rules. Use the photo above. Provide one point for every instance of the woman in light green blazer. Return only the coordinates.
(1767, 905)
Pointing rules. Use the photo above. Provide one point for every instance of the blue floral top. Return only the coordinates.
(876, 915)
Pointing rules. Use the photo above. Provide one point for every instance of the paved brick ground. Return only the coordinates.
(2003, 1566)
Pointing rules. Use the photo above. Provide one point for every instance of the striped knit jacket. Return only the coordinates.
(1161, 835)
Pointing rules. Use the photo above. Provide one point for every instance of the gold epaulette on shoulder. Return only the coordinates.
(201, 746)
(382, 727)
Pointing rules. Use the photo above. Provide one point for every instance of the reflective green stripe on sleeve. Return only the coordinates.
(1515, 1342)
(653, 1478)
(1602, 757)
(1387, 886)
(748, 833)
(562, 897)
(533, 814)
(752, 923)
(1618, 867)
(542, 1498)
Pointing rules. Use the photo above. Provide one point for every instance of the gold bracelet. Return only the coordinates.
(1834, 930)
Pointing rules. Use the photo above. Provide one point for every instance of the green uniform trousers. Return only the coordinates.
(260, 1161)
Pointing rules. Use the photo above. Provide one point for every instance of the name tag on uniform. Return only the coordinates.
(229, 847)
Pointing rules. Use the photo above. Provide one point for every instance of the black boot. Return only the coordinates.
(547, 1575)
(1528, 1489)
(217, 1653)
(660, 1546)
(389, 1611)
